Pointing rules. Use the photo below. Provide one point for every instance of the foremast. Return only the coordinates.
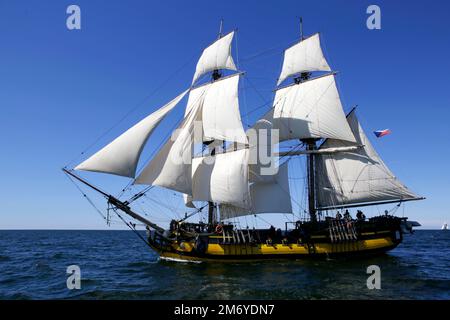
(212, 207)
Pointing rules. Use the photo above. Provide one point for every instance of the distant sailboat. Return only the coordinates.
(342, 167)
(444, 226)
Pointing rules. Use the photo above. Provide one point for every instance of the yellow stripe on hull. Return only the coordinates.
(239, 252)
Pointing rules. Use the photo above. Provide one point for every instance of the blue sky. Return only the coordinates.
(61, 89)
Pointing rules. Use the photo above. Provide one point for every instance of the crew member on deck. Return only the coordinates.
(347, 215)
(279, 234)
(338, 216)
(360, 215)
(272, 232)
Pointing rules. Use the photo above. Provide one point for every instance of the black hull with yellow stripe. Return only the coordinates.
(327, 239)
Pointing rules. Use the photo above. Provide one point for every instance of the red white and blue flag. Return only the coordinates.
(382, 133)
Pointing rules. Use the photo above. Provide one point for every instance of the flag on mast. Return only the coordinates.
(382, 133)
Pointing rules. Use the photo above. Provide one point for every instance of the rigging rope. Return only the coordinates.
(87, 198)
(138, 105)
(132, 228)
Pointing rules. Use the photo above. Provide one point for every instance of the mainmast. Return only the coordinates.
(310, 166)
(310, 146)
(311, 177)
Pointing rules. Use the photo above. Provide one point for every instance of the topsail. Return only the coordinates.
(311, 109)
(216, 56)
(305, 56)
(220, 117)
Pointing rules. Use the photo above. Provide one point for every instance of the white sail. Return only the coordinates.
(220, 116)
(121, 156)
(188, 201)
(270, 196)
(215, 57)
(358, 176)
(171, 167)
(305, 56)
(222, 178)
(273, 196)
(195, 99)
(263, 144)
(311, 109)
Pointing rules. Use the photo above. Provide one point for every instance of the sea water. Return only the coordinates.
(118, 265)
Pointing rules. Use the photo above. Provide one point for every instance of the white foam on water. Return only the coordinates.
(179, 260)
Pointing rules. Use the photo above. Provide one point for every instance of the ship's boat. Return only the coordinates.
(217, 166)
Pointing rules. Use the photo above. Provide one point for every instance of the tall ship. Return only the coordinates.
(224, 174)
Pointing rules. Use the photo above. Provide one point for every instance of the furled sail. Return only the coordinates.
(311, 109)
(305, 56)
(215, 57)
(220, 116)
(356, 177)
(271, 195)
(121, 156)
(171, 167)
(222, 178)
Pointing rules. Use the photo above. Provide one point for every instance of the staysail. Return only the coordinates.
(311, 109)
(121, 156)
(356, 177)
(215, 57)
(305, 56)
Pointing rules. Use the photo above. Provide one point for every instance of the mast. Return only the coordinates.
(310, 146)
(310, 166)
(303, 76)
(220, 29)
(211, 205)
(301, 28)
(311, 177)
(216, 75)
